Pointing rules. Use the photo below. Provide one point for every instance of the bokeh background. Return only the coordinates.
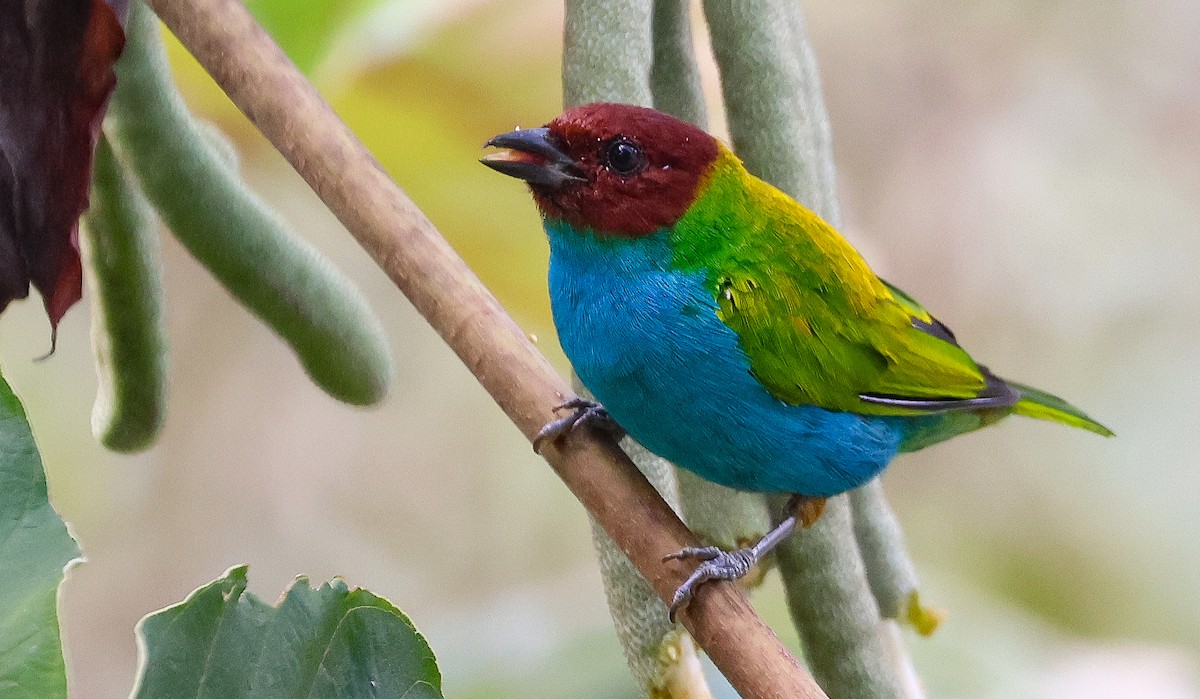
(1030, 170)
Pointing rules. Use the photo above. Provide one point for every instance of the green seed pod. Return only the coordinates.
(120, 251)
(247, 247)
(890, 573)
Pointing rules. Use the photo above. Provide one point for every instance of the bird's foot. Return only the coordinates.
(583, 412)
(715, 564)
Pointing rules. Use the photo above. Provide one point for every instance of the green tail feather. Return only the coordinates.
(1043, 406)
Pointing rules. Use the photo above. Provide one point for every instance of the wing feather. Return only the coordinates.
(817, 325)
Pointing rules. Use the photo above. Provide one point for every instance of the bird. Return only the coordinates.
(729, 329)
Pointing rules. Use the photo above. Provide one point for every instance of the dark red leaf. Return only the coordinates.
(56, 73)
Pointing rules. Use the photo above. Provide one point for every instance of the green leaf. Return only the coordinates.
(34, 548)
(324, 642)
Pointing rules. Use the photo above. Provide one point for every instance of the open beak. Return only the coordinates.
(528, 154)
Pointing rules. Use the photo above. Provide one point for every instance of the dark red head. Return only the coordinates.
(614, 168)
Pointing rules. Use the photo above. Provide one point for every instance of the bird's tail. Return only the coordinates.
(1043, 406)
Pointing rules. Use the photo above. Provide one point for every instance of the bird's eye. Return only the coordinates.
(624, 157)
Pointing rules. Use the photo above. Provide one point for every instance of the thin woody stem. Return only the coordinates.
(267, 87)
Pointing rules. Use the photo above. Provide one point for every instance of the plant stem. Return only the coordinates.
(251, 69)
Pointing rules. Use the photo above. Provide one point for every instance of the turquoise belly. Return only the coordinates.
(647, 342)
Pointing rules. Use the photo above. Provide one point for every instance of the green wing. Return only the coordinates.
(818, 326)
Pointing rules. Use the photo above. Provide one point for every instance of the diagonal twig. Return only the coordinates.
(287, 109)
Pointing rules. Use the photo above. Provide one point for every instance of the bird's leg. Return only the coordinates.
(716, 564)
(583, 412)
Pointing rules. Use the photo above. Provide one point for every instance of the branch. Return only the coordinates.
(252, 70)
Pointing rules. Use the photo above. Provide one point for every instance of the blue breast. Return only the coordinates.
(647, 342)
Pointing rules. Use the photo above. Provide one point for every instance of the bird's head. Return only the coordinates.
(615, 169)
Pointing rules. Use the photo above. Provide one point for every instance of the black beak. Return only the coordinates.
(529, 155)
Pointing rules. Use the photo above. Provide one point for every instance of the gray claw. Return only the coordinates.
(731, 565)
(715, 565)
(584, 412)
(703, 553)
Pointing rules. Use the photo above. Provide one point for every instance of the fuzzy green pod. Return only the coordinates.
(120, 251)
(247, 247)
(777, 117)
(607, 51)
(780, 129)
(674, 76)
(890, 572)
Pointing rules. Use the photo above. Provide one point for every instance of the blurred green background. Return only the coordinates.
(1029, 170)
